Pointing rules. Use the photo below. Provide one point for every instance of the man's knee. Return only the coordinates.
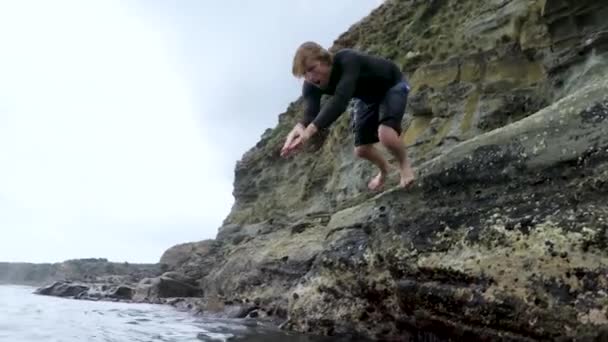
(362, 151)
(387, 134)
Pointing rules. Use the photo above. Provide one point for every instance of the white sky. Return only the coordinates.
(121, 121)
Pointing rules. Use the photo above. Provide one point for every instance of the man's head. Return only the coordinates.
(312, 62)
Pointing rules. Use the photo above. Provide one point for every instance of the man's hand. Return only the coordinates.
(297, 131)
(297, 138)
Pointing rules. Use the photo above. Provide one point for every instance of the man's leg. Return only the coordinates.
(370, 153)
(389, 131)
(395, 145)
(364, 124)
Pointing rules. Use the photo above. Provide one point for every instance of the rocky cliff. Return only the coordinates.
(504, 235)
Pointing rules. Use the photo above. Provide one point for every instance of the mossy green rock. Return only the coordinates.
(504, 235)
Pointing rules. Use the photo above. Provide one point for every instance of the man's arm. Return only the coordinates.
(312, 103)
(344, 92)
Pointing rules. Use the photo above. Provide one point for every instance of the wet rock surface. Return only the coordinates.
(87, 291)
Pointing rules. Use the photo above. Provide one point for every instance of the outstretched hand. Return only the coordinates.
(296, 139)
(293, 147)
(292, 141)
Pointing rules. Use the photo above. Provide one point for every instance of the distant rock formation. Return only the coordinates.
(79, 270)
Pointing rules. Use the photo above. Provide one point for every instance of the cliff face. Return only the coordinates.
(504, 234)
(474, 66)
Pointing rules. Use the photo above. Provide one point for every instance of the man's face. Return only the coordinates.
(317, 73)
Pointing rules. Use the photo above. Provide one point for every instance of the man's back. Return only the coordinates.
(375, 75)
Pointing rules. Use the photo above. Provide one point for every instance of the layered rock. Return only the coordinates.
(504, 235)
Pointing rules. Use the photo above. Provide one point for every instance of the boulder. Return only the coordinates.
(122, 292)
(151, 289)
(62, 289)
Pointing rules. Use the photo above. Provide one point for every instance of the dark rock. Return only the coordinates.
(62, 289)
(163, 287)
(122, 292)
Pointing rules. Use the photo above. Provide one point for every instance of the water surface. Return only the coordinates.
(26, 317)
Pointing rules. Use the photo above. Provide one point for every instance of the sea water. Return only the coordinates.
(27, 317)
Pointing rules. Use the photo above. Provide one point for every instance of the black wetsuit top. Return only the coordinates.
(353, 75)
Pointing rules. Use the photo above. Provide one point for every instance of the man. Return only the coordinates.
(381, 93)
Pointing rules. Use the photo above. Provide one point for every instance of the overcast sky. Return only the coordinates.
(121, 121)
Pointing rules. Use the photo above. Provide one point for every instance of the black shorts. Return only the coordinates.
(367, 117)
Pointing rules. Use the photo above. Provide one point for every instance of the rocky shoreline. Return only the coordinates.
(94, 280)
(167, 289)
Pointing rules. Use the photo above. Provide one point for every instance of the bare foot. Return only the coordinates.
(377, 182)
(407, 176)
